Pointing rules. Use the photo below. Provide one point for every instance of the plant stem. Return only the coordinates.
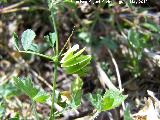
(52, 117)
(34, 110)
(38, 54)
(68, 40)
(55, 75)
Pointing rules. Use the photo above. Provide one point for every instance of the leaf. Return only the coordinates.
(95, 99)
(75, 63)
(78, 64)
(152, 26)
(133, 38)
(112, 99)
(76, 92)
(51, 39)
(8, 91)
(69, 54)
(106, 103)
(16, 39)
(27, 38)
(29, 89)
(34, 47)
(41, 97)
(69, 60)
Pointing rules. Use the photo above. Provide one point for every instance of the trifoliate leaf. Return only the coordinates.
(27, 38)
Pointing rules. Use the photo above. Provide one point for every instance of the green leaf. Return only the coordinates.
(34, 47)
(134, 39)
(78, 64)
(95, 99)
(27, 38)
(69, 60)
(16, 39)
(76, 92)
(26, 86)
(41, 97)
(69, 54)
(112, 99)
(51, 39)
(75, 63)
(8, 90)
(29, 89)
(152, 26)
(106, 103)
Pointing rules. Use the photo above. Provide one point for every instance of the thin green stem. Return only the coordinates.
(52, 117)
(34, 110)
(69, 38)
(38, 54)
(55, 75)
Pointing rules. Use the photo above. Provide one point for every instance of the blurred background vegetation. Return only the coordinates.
(123, 36)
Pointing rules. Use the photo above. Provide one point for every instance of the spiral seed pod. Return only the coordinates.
(75, 63)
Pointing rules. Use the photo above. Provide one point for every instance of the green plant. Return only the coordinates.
(72, 62)
(137, 42)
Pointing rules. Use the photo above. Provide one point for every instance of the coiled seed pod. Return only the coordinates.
(75, 63)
